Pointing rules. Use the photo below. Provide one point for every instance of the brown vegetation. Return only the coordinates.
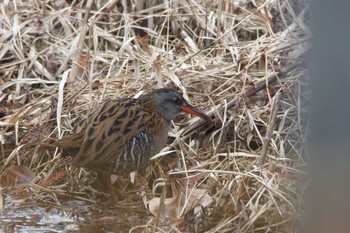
(235, 60)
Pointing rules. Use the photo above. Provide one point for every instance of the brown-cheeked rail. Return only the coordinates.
(121, 135)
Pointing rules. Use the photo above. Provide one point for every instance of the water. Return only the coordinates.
(73, 216)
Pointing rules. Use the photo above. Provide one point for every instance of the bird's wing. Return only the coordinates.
(72, 143)
(109, 130)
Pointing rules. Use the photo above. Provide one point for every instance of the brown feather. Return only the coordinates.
(120, 136)
(109, 130)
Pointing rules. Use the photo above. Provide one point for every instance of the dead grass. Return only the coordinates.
(59, 58)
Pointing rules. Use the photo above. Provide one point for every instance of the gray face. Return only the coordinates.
(169, 103)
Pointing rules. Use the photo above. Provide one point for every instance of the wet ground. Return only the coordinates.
(74, 216)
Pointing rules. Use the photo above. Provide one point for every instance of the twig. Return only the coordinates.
(249, 93)
(270, 128)
(81, 41)
(108, 8)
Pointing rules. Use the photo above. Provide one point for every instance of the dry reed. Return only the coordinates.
(60, 58)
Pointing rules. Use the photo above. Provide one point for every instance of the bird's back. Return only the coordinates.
(119, 136)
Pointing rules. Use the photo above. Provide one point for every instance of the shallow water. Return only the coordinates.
(30, 218)
(74, 216)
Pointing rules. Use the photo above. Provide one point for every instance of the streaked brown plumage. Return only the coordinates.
(121, 135)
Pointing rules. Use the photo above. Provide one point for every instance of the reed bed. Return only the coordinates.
(239, 61)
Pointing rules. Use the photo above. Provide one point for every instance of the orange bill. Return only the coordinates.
(191, 110)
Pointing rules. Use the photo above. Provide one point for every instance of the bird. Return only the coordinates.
(121, 135)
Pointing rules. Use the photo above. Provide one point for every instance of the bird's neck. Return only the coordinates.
(149, 104)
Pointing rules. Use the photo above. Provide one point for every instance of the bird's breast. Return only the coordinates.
(141, 147)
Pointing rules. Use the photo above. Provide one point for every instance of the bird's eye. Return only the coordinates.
(176, 100)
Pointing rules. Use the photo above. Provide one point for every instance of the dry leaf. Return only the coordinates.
(175, 207)
(52, 178)
(81, 69)
(16, 177)
(167, 210)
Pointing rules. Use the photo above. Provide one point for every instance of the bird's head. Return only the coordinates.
(170, 103)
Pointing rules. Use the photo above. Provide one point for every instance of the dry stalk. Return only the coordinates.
(270, 128)
(227, 57)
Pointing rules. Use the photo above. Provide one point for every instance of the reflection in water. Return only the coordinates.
(74, 216)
